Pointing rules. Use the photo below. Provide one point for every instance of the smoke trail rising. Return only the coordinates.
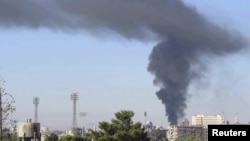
(184, 35)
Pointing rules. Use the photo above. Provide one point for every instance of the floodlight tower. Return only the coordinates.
(36, 102)
(74, 98)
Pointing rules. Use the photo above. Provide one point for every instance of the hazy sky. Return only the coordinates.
(110, 74)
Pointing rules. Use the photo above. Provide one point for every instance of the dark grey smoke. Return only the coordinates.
(183, 33)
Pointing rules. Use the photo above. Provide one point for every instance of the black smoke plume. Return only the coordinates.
(183, 34)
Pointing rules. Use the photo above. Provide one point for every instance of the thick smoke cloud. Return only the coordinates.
(183, 34)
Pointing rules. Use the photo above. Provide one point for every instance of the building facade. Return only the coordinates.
(205, 120)
(187, 132)
(28, 131)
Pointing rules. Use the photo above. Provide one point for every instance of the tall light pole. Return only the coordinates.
(83, 114)
(74, 98)
(36, 102)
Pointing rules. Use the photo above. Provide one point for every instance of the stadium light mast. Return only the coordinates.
(36, 102)
(74, 98)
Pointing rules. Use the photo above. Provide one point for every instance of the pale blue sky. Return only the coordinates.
(110, 74)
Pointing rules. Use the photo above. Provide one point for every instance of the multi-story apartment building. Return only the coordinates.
(190, 132)
(205, 120)
(197, 129)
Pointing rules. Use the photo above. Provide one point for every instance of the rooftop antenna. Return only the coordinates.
(74, 98)
(36, 102)
(223, 116)
(236, 119)
(145, 115)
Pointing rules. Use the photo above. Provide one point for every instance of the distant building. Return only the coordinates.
(28, 131)
(44, 132)
(155, 133)
(77, 131)
(148, 126)
(185, 122)
(205, 120)
(191, 132)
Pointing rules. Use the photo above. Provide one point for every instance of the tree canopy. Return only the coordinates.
(51, 137)
(121, 128)
(74, 138)
(186, 139)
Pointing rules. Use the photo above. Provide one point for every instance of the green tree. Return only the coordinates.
(121, 128)
(74, 138)
(164, 139)
(51, 137)
(66, 138)
(186, 139)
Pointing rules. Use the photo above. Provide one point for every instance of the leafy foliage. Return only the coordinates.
(74, 138)
(186, 139)
(120, 129)
(51, 137)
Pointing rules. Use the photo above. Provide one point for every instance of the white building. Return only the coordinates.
(44, 132)
(204, 120)
(28, 131)
(77, 131)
